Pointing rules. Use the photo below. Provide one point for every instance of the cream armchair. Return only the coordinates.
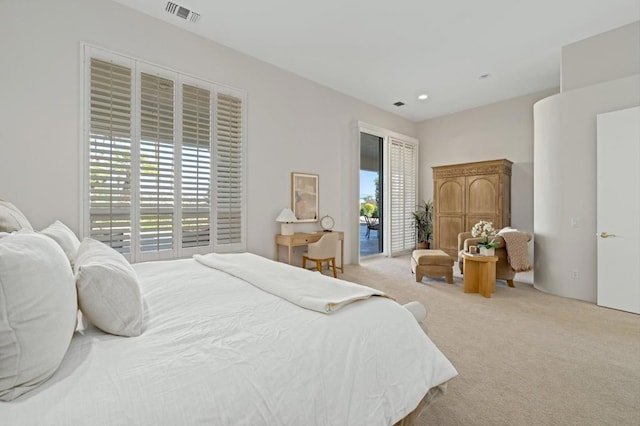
(504, 271)
(323, 250)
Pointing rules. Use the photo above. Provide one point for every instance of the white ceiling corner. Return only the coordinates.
(381, 52)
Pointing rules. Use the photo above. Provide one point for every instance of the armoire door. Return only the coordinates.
(483, 201)
(450, 213)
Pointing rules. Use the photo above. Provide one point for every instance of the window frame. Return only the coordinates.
(242, 245)
(138, 66)
(403, 234)
(388, 136)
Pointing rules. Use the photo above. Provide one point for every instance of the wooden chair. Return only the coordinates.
(323, 250)
(371, 225)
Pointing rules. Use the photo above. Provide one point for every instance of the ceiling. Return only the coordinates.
(382, 52)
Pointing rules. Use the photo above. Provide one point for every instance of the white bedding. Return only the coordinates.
(310, 291)
(218, 351)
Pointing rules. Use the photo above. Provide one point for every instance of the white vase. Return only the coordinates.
(487, 252)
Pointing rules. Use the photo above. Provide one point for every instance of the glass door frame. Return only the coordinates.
(358, 128)
(361, 127)
(380, 200)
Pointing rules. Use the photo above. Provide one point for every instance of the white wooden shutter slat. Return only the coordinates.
(196, 166)
(228, 170)
(157, 164)
(110, 154)
(403, 172)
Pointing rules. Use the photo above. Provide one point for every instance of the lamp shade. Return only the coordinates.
(286, 216)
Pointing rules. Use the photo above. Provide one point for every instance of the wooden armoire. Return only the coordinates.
(464, 194)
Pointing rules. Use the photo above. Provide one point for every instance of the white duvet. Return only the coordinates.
(218, 351)
(317, 292)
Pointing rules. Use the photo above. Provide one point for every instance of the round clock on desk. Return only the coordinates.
(326, 222)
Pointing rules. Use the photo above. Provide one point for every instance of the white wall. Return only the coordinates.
(293, 124)
(565, 184)
(604, 57)
(500, 130)
(565, 157)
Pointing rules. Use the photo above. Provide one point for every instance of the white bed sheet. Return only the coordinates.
(218, 351)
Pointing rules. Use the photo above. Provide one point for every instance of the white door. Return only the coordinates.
(618, 214)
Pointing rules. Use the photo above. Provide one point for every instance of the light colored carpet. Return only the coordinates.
(523, 357)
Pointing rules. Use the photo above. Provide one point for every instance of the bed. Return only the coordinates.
(215, 349)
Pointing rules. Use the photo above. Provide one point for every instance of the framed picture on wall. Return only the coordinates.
(304, 196)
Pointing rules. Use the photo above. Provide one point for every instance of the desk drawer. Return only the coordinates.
(301, 241)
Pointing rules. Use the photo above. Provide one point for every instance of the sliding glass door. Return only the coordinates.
(371, 195)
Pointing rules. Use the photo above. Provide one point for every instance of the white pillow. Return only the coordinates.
(11, 218)
(65, 238)
(108, 290)
(38, 307)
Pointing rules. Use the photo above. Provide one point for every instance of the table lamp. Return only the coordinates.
(286, 219)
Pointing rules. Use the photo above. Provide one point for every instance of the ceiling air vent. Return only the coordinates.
(182, 12)
(399, 103)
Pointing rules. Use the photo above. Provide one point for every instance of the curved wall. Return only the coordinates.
(564, 171)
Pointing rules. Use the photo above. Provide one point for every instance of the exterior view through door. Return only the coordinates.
(388, 189)
(371, 190)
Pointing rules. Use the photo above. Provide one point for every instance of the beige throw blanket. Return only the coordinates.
(517, 249)
(306, 289)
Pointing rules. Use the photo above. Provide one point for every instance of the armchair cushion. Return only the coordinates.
(504, 271)
(324, 248)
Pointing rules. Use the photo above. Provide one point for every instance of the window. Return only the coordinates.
(196, 166)
(403, 171)
(400, 186)
(110, 155)
(156, 190)
(229, 160)
(167, 153)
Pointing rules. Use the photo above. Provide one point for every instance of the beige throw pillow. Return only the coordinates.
(65, 238)
(108, 290)
(38, 309)
(11, 218)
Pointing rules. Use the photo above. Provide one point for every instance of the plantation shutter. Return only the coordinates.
(157, 193)
(403, 172)
(110, 155)
(196, 166)
(165, 160)
(228, 171)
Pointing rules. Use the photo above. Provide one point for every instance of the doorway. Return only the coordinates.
(371, 195)
(618, 210)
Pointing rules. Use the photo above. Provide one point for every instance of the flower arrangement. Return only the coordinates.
(484, 230)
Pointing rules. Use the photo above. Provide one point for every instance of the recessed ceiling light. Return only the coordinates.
(423, 96)
(483, 76)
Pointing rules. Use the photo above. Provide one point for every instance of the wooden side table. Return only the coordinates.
(479, 274)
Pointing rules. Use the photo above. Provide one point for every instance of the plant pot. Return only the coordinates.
(422, 245)
(487, 252)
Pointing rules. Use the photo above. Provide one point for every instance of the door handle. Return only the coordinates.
(605, 235)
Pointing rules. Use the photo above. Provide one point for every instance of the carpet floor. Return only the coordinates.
(524, 357)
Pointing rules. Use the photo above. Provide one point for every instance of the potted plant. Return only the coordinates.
(423, 218)
(484, 230)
